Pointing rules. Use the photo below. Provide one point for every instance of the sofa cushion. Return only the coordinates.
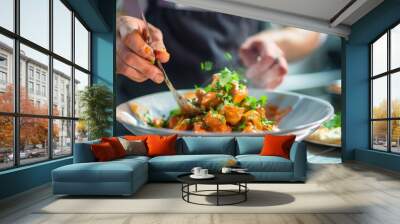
(133, 158)
(208, 145)
(249, 145)
(257, 163)
(116, 145)
(134, 147)
(103, 152)
(112, 171)
(161, 145)
(277, 145)
(136, 137)
(185, 163)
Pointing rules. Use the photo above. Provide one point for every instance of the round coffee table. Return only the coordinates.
(238, 179)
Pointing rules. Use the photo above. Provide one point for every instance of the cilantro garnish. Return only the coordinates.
(206, 66)
(335, 122)
(228, 56)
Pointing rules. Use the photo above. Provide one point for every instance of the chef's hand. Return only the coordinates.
(265, 61)
(135, 58)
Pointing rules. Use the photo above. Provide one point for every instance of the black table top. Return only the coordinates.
(220, 178)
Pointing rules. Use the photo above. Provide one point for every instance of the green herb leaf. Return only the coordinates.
(335, 122)
(175, 112)
(262, 101)
(206, 66)
(228, 56)
(265, 121)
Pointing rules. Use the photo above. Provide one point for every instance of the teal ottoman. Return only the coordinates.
(118, 177)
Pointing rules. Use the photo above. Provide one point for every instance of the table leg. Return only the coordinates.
(195, 188)
(188, 189)
(217, 194)
(182, 189)
(245, 193)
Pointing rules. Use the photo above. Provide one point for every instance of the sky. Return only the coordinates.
(34, 26)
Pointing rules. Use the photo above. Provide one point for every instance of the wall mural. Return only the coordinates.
(238, 76)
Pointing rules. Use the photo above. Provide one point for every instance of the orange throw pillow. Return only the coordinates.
(136, 137)
(161, 145)
(116, 145)
(103, 152)
(277, 145)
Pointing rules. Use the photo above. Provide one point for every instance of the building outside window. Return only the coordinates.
(38, 89)
(30, 87)
(37, 75)
(58, 125)
(3, 78)
(30, 72)
(385, 94)
(3, 72)
(43, 90)
(3, 61)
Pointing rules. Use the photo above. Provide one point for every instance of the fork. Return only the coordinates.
(186, 106)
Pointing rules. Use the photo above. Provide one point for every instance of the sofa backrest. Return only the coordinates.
(249, 145)
(206, 145)
(83, 152)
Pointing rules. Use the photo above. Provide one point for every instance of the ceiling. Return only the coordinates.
(326, 16)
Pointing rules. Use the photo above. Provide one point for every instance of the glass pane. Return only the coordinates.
(395, 47)
(379, 56)
(33, 139)
(395, 136)
(379, 135)
(34, 92)
(35, 21)
(62, 89)
(395, 94)
(6, 74)
(81, 131)
(81, 45)
(6, 142)
(81, 81)
(62, 29)
(62, 138)
(379, 97)
(7, 14)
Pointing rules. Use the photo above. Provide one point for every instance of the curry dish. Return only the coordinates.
(225, 107)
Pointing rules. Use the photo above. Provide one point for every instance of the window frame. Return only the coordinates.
(16, 115)
(388, 74)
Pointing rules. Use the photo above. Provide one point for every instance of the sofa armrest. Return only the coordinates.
(83, 152)
(298, 155)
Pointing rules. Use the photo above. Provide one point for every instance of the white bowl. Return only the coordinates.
(307, 114)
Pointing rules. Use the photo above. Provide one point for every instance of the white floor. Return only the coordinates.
(317, 154)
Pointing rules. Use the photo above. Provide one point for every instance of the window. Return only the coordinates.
(6, 73)
(3, 78)
(41, 129)
(62, 30)
(44, 91)
(62, 74)
(34, 21)
(385, 95)
(3, 72)
(38, 74)
(37, 89)
(30, 72)
(81, 45)
(3, 61)
(30, 87)
(7, 14)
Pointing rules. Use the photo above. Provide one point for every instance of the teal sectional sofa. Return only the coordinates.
(125, 176)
